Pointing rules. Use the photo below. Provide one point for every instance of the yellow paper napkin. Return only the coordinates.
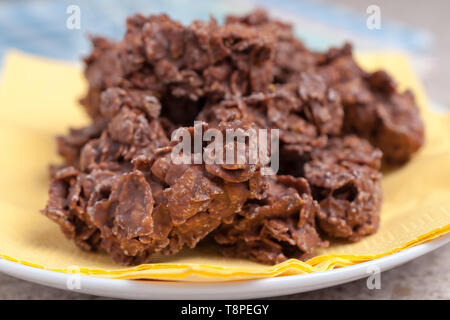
(38, 99)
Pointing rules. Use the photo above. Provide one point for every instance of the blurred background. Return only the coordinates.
(416, 28)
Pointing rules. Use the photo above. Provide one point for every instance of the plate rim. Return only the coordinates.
(244, 289)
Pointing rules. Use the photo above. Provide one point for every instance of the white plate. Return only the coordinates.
(219, 290)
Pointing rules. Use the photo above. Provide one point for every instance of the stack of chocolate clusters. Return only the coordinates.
(120, 191)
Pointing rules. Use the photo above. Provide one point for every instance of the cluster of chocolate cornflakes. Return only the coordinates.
(120, 191)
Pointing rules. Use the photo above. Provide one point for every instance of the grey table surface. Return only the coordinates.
(427, 277)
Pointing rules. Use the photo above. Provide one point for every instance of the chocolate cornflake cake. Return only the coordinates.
(119, 189)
